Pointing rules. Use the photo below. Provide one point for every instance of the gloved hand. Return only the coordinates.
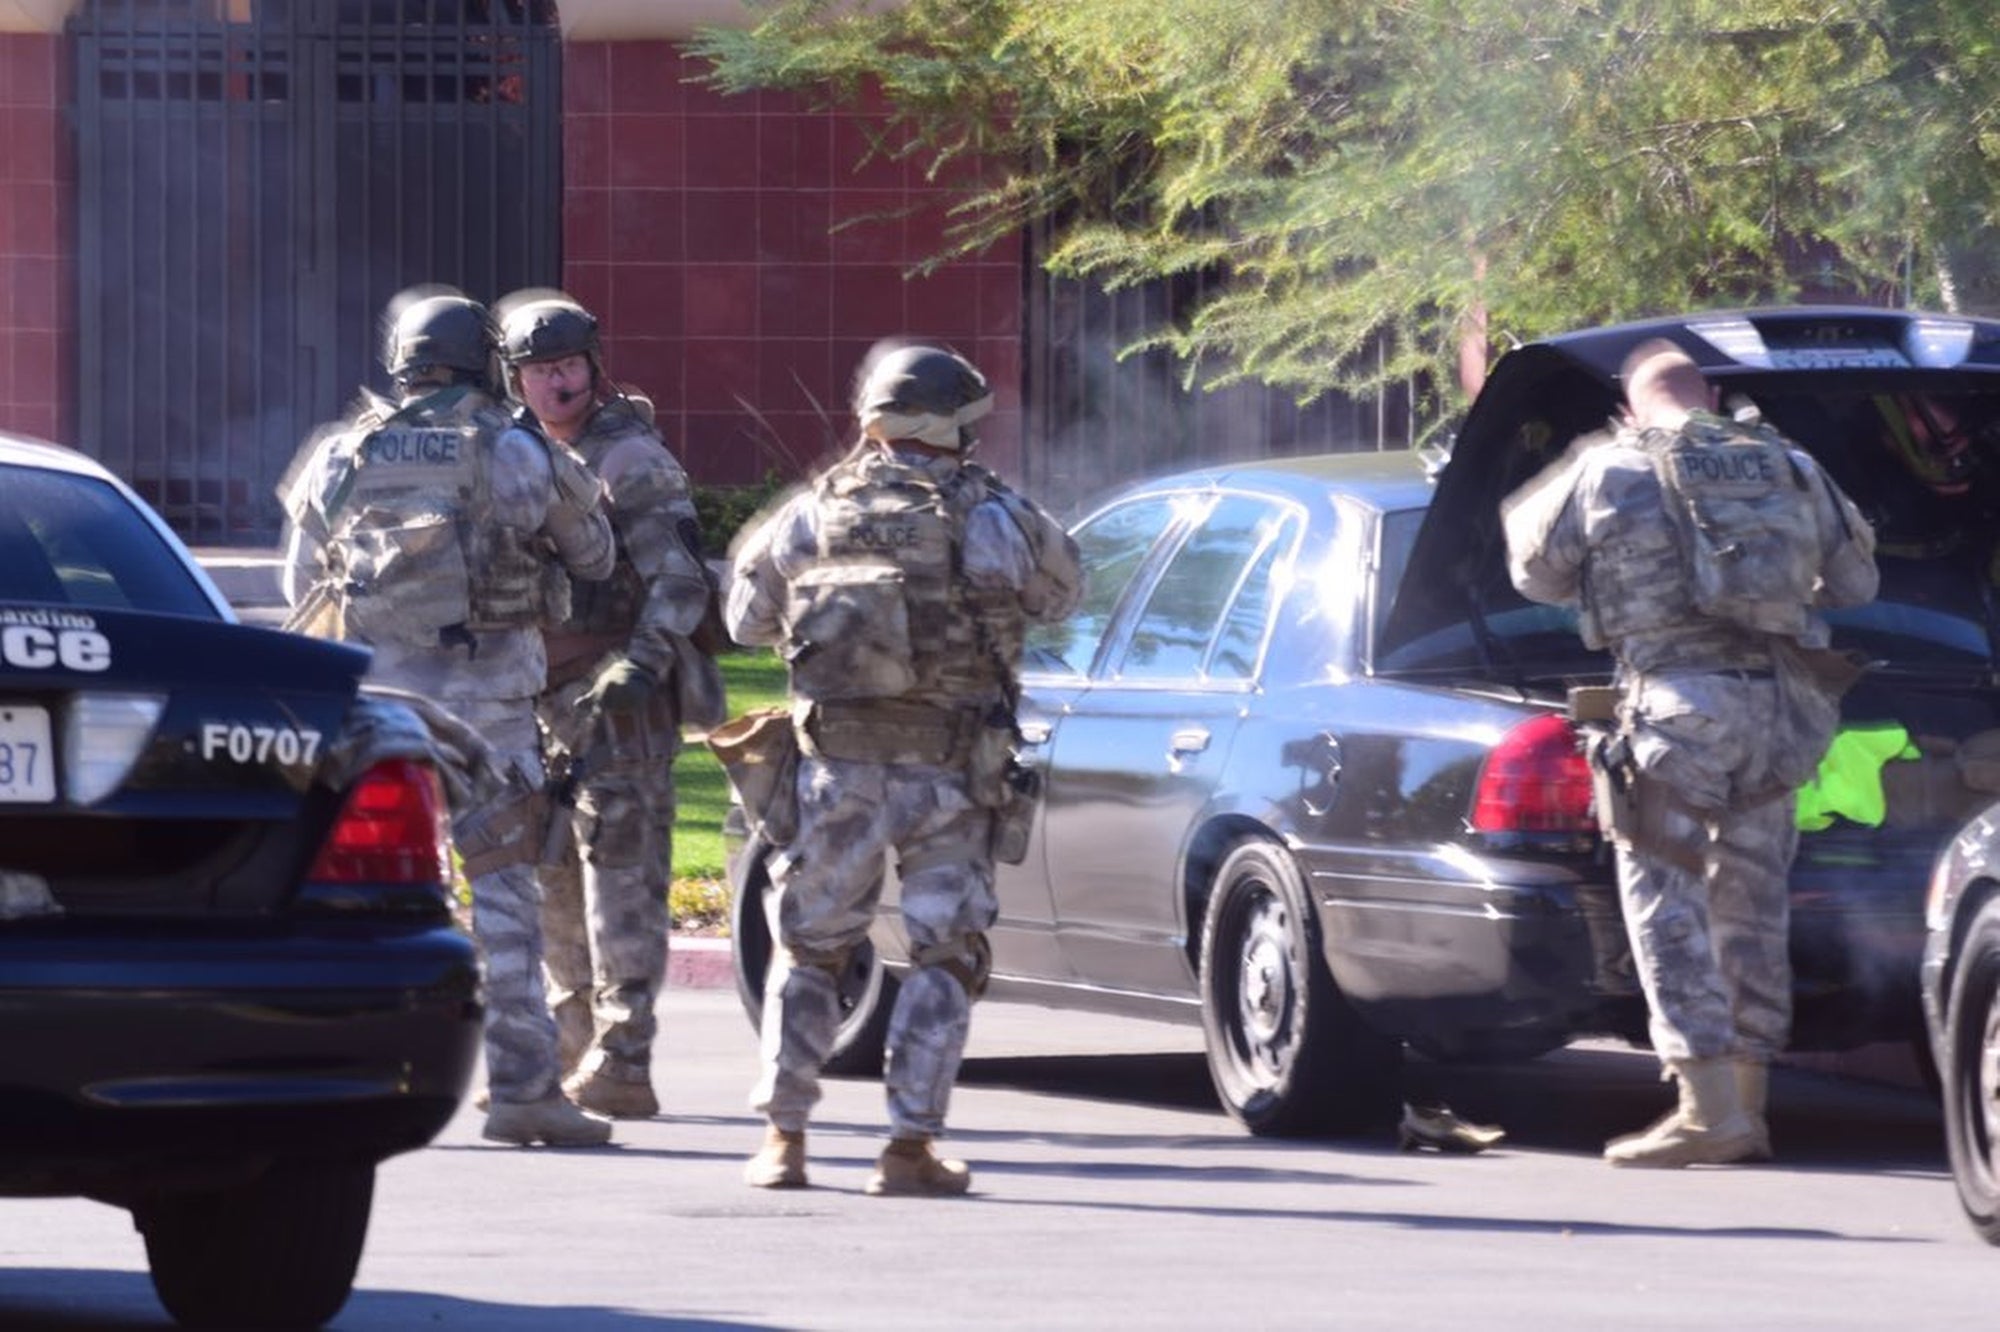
(622, 686)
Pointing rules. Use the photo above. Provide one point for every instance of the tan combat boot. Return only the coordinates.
(602, 1092)
(1708, 1127)
(1753, 1086)
(780, 1163)
(911, 1166)
(551, 1120)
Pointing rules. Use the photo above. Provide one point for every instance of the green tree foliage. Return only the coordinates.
(1442, 173)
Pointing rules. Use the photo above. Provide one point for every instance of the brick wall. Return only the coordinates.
(702, 231)
(37, 318)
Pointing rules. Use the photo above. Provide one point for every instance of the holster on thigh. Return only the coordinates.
(1666, 828)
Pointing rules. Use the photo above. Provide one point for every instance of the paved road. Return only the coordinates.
(1111, 1193)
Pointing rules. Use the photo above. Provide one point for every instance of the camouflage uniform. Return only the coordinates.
(902, 702)
(604, 915)
(465, 632)
(1707, 712)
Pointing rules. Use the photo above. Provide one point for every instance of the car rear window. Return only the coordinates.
(70, 540)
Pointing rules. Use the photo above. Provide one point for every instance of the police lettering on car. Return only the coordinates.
(40, 641)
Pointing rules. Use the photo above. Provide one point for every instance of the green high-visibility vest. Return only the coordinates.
(1849, 781)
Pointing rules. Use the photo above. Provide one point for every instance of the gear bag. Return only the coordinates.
(1743, 508)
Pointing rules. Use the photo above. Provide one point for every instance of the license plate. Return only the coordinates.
(27, 758)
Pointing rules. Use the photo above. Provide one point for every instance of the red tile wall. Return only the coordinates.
(742, 262)
(37, 314)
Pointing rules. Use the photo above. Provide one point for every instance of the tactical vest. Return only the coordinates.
(415, 551)
(1742, 508)
(884, 611)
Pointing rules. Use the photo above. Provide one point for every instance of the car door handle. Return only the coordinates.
(1034, 732)
(1191, 740)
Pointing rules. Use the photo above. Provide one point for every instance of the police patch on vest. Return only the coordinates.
(415, 447)
(1752, 466)
(1743, 516)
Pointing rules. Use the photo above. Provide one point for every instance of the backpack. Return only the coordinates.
(1742, 505)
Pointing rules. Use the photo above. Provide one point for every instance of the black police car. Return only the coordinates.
(229, 978)
(1961, 990)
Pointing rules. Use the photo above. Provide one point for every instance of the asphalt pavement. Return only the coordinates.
(1110, 1191)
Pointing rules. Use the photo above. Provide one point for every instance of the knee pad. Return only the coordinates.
(833, 961)
(968, 958)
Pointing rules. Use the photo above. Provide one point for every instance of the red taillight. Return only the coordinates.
(1535, 780)
(392, 829)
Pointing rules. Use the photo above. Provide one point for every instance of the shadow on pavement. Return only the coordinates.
(1572, 1100)
(74, 1300)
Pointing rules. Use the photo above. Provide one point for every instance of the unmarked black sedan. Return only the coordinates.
(1308, 775)
(229, 979)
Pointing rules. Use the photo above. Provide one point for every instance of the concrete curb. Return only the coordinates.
(699, 962)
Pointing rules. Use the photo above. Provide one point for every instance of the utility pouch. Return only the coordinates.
(759, 752)
(849, 626)
(503, 834)
(1593, 703)
(405, 582)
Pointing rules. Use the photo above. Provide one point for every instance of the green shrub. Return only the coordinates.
(723, 510)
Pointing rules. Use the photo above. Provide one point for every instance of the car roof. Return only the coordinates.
(1386, 480)
(26, 451)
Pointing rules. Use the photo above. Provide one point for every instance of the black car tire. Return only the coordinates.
(279, 1252)
(1287, 1053)
(867, 990)
(1972, 1073)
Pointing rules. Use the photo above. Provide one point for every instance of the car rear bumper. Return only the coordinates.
(141, 1056)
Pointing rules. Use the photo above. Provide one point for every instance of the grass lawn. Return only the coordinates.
(699, 896)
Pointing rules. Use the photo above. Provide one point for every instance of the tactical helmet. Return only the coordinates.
(922, 393)
(546, 328)
(437, 327)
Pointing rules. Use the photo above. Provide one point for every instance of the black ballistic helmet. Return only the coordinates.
(920, 380)
(546, 328)
(437, 327)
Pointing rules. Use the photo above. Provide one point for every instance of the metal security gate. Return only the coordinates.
(255, 179)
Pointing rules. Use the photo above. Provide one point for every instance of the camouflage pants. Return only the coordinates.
(1712, 949)
(604, 905)
(521, 1060)
(852, 816)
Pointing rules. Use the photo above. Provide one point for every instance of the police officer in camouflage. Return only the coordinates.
(426, 527)
(611, 712)
(1697, 549)
(898, 587)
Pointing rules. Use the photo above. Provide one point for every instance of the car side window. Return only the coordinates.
(1241, 637)
(1113, 544)
(1206, 576)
